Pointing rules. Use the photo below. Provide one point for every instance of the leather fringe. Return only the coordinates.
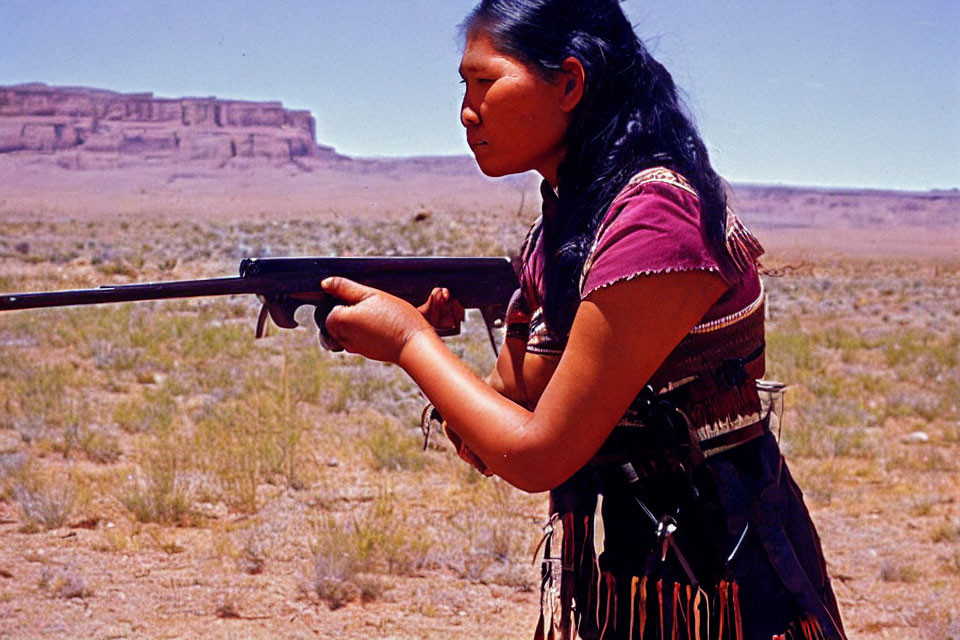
(611, 602)
(568, 554)
(807, 629)
(738, 619)
(680, 612)
(742, 246)
(643, 605)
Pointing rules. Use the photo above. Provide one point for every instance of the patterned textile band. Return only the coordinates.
(640, 441)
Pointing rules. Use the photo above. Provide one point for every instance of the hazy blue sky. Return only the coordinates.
(813, 92)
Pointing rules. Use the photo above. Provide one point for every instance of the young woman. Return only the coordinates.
(634, 346)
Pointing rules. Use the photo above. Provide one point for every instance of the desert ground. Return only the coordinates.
(165, 475)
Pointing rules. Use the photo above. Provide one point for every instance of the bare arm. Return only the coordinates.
(445, 314)
(620, 336)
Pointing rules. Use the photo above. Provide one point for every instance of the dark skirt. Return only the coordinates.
(742, 559)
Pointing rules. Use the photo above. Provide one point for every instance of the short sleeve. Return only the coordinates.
(651, 227)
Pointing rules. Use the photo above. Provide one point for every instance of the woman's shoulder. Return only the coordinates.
(654, 225)
(655, 179)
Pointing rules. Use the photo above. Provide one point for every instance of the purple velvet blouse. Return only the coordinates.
(654, 225)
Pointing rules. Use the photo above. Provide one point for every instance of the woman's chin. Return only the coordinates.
(492, 169)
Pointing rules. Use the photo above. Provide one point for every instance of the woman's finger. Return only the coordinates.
(457, 310)
(435, 313)
(346, 290)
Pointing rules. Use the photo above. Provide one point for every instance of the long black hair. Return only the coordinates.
(630, 118)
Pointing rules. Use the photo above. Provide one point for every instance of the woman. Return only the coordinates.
(633, 348)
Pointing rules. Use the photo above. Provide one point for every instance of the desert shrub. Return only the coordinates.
(87, 329)
(910, 403)
(313, 378)
(118, 265)
(893, 571)
(93, 442)
(153, 413)
(493, 538)
(99, 446)
(161, 490)
(253, 551)
(45, 502)
(922, 458)
(392, 450)
(217, 340)
(348, 554)
(386, 537)
(843, 339)
(336, 576)
(822, 482)
(12, 465)
(249, 441)
(64, 582)
(791, 355)
(110, 356)
(37, 398)
(951, 564)
(948, 532)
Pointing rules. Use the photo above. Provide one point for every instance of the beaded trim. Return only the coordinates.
(733, 318)
(721, 427)
(662, 174)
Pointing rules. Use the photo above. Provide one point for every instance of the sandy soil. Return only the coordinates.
(888, 514)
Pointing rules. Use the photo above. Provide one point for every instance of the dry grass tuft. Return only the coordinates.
(348, 554)
(894, 571)
(46, 502)
(947, 532)
(393, 450)
(161, 490)
(337, 565)
(64, 583)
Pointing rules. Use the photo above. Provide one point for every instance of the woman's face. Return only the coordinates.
(515, 120)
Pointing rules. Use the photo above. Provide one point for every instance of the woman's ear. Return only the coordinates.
(572, 77)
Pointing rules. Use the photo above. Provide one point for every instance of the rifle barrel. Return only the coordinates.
(476, 282)
(129, 293)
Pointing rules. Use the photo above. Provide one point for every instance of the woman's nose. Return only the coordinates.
(468, 116)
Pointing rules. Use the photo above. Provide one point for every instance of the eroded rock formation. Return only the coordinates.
(41, 118)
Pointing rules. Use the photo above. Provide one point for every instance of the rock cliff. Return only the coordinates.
(101, 123)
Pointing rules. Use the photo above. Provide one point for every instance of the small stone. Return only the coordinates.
(918, 437)
(212, 511)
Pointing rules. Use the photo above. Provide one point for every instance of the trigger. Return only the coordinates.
(261, 321)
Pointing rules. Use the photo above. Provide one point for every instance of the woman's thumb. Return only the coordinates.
(348, 291)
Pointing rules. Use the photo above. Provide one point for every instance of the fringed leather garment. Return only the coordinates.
(703, 534)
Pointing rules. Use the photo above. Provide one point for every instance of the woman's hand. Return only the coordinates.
(370, 322)
(445, 314)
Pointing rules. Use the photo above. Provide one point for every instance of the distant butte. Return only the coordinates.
(100, 124)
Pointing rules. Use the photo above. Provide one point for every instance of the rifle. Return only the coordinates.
(286, 284)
